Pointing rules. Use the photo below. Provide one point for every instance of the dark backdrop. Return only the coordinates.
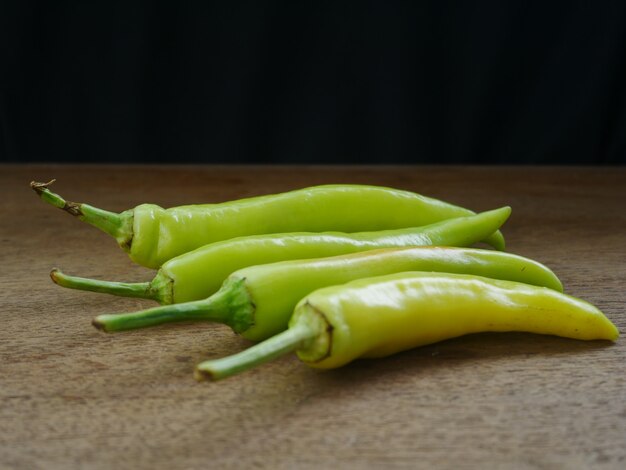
(434, 81)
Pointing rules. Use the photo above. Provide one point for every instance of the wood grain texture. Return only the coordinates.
(73, 397)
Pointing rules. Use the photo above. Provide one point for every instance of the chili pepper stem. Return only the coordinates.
(142, 290)
(200, 310)
(289, 340)
(112, 223)
(231, 305)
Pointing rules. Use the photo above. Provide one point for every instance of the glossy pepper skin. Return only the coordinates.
(380, 316)
(153, 235)
(258, 301)
(200, 273)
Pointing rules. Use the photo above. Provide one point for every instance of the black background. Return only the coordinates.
(314, 82)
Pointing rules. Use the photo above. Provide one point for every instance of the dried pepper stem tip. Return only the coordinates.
(54, 199)
(98, 325)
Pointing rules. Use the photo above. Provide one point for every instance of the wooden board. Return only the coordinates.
(73, 397)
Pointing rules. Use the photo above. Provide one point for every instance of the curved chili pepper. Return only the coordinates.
(380, 316)
(153, 235)
(200, 273)
(258, 301)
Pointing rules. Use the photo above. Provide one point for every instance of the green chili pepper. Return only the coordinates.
(379, 316)
(258, 301)
(152, 235)
(200, 273)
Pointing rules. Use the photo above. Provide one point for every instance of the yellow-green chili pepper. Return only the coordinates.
(200, 273)
(376, 317)
(258, 301)
(152, 235)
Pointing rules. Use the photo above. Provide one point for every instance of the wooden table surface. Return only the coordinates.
(73, 397)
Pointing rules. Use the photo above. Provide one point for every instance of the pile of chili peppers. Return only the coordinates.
(334, 272)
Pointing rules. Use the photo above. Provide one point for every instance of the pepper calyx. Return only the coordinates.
(236, 299)
(318, 347)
